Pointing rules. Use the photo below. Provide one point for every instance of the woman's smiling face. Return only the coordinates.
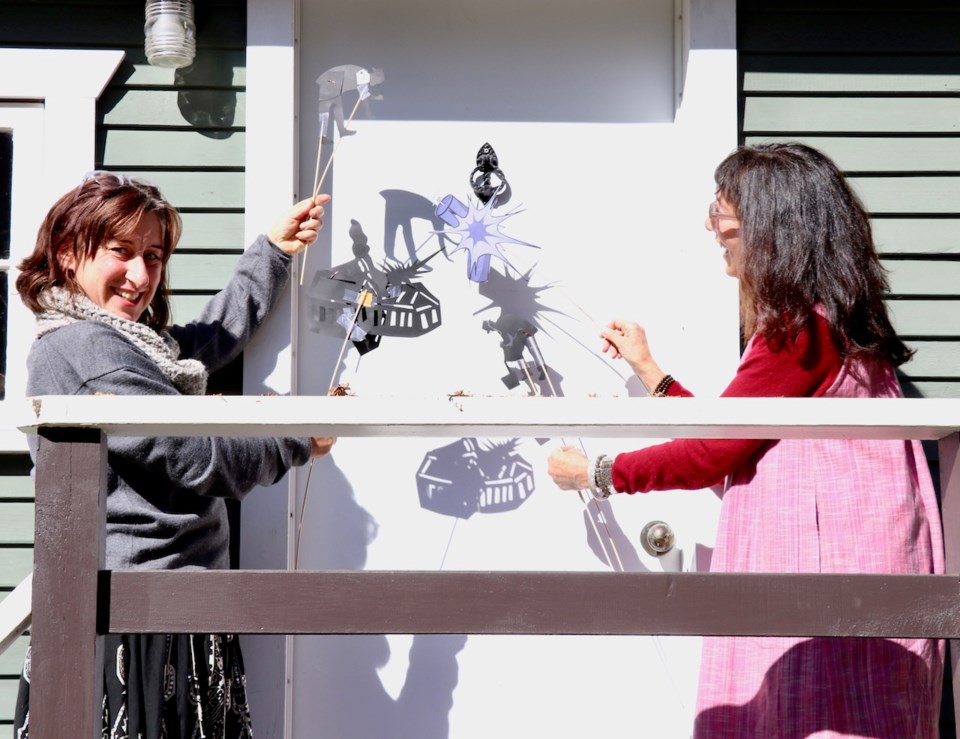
(123, 275)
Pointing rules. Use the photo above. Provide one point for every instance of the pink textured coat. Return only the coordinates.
(856, 506)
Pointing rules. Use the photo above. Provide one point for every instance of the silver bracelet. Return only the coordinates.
(601, 481)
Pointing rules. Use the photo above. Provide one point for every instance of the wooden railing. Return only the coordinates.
(75, 601)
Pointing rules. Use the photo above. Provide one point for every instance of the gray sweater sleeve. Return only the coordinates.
(234, 314)
(86, 358)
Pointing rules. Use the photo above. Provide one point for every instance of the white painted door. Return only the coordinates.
(609, 182)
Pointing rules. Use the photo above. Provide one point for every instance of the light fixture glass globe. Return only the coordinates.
(169, 33)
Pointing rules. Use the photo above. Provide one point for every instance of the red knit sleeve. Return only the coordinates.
(805, 367)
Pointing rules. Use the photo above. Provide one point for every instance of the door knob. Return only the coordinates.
(657, 538)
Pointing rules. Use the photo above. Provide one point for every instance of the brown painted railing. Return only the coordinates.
(75, 602)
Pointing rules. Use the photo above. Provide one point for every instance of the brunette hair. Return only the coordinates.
(806, 246)
(103, 206)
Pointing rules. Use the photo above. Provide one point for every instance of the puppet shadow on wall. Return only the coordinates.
(205, 96)
(353, 699)
(469, 476)
(363, 302)
(400, 209)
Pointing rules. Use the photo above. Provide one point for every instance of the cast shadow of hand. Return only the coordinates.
(345, 689)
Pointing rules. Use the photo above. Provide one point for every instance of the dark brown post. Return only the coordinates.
(67, 661)
(950, 511)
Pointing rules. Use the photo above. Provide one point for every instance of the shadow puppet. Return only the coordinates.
(205, 95)
(365, 302)
(522, 313)
(467, 477)
(400, 209)
(346, 693)
(818, 686)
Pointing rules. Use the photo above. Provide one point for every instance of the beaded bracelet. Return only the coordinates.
(601, 477)
(661, 389)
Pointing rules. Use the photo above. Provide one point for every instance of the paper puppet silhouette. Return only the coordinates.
(476, 230)
(473, 226)
(339, 80)
(462, 478)
(365, 302)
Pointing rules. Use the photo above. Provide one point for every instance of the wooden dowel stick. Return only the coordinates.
(360, 301)
(318, 183)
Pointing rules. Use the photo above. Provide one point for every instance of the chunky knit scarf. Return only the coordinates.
(63, 308)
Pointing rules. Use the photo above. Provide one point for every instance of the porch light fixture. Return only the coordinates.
(169, 33)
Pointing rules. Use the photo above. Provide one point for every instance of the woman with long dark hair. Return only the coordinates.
(815, 325)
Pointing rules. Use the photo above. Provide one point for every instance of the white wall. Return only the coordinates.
(613, 181)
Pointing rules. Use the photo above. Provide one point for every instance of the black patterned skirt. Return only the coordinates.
(165, 686)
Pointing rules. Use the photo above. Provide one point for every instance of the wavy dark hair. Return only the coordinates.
(104, 206)
(806, 243)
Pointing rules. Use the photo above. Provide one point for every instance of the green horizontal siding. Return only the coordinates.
(136, 149)
(230, 69)
(15, 487)
(929, 318)
(133, 107)
(908, 194)
(201, 271)
(863, 114)
(813, 81)
(917, 235)
(212, 231)
(11, 661)
(197, 189)
(17, 525)
(882, 153)
(923, 278)
(931, 389)
(15, 564)
(186, 308)
(933, 359)
(8, 698)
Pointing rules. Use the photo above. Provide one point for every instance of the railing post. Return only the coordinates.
(950, 511)
(67, 657)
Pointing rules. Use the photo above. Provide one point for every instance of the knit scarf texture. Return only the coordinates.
(62, 308)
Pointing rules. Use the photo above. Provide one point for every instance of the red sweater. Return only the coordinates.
(805, 367)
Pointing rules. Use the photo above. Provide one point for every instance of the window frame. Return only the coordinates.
(52, 112)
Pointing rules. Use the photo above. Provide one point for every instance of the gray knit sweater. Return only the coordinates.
(165, 507)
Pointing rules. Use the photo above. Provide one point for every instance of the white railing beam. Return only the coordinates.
(652, 418)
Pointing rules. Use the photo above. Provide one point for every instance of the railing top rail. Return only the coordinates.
(453, 416)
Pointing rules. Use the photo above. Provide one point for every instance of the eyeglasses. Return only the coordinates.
(115, 179)
(716, 216)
